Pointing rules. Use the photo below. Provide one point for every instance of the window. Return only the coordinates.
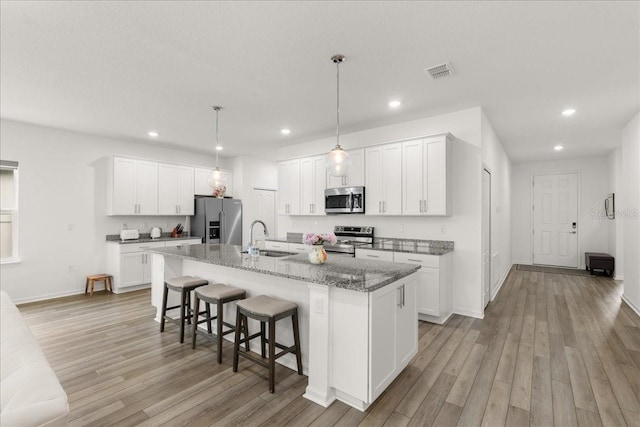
(8, 211)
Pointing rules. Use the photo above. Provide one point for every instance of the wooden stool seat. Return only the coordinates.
(218, 294)
(266, 310)
(92, 279)
(184, 285)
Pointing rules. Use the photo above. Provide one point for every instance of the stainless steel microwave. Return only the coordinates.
(344, 200)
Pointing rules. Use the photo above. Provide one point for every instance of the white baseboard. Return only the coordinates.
(468, 313)
(631, 304)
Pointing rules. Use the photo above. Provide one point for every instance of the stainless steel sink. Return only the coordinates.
(273, 254)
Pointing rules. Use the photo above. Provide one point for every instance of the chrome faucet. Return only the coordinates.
(252, 248)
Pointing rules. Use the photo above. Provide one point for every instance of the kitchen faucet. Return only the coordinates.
(252, 248)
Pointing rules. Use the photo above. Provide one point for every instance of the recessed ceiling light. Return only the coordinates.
(219, 147)
(153, 134)
(395, 104)
(285, 131)
(568, 112)
(558, 147)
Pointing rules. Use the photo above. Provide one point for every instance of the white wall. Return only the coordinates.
(593, 188)
(62, 185)
(615, 225)
(629, 211)
(498, 163)
(462, 227)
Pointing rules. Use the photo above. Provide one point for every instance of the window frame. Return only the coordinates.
(13, 211)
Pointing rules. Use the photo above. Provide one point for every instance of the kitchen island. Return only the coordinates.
(358, 318)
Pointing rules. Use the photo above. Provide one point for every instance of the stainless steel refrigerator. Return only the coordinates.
(218, 220)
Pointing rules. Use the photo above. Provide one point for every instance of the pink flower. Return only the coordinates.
(318, 239)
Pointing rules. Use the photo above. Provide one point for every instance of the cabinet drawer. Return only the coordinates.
(432, 261)
(299, 247)
(173, 243)
(139, 247)
(374, 255)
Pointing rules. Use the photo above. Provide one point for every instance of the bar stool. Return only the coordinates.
(266, 310)
(184, 285)
(218, 294)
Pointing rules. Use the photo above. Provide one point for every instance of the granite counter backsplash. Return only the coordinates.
(414, 246)
(146, 237)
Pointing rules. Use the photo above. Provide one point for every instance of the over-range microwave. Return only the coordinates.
(344, 200)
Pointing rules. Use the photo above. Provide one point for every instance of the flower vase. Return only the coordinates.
(317, 255)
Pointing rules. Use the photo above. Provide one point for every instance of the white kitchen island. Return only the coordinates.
(358, 318)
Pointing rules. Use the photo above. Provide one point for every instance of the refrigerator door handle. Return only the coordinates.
(222, 227)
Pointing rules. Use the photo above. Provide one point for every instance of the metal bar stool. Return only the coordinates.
(218, 294)
(184, 285)
(266, 310)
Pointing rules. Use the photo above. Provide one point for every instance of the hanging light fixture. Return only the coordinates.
(338, 160)
(215, 179)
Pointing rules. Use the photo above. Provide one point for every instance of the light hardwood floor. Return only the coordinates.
(552, 349)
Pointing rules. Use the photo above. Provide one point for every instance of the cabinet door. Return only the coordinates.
(147, 187)
(283, 189)
(307, 185)
(131, 269)
(392, 179)
(356, 170)
(436, 177)
(406, 324)
(201, 182)
(146, 267)
(124, 186)
(167, 189)
(412, 160)
(373, 181)
(289, 187)
(374, 255)
(185, 194)
(429, 291)
(319, 184)
(383, 337)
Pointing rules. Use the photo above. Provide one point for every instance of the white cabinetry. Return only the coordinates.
(132, 187)
(130, 263)
(289, 187)
(175, 190)
(426, 176)
(201, 182)
(394, 333)
(383, 179)
(287, 247)
(355, 175)
(371, 254)
(312, 185)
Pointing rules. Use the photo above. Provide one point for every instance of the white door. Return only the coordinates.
(555, 219)
(486, 236)
(265, 210)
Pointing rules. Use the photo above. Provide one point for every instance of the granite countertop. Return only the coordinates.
(342, 272)
(146, 238)
(412, 246)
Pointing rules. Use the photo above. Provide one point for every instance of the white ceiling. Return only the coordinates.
(120, 69)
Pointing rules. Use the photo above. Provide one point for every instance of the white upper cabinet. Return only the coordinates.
(355, 176)
(133, 187)
(175, 190)
(426, 176)
(312, 185)
(383, 179)
(201, 182)
(289, 187)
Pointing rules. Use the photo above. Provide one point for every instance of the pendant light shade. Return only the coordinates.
(215, 179)
(338, 160)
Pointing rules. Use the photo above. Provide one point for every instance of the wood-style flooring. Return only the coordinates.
(552, 349)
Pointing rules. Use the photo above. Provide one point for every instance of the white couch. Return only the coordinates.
(30, 392)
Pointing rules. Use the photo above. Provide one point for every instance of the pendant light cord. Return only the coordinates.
(217, 140)
(338, 102)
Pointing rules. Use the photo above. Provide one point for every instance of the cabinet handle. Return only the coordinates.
(179, 209)
(373, 256)
(384, 206)
(403, 295)
(379, 207)
(399, 296)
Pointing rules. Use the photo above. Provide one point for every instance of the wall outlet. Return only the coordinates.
(401, 228)
(318, 306)
(71, 268)
(443, 229)
(69, 227)
(145, 225)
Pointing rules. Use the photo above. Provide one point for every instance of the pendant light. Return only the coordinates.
(338, 160)
(214, 180)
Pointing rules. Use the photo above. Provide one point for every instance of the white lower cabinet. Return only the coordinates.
(433, 299)
(130, 264)
(287, 247)
(394, 332)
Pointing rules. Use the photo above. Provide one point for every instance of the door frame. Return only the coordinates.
(578, 201)
(485, 168)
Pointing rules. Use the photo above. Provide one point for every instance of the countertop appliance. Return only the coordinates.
(344, 200)
(156, 233)
(349, 237)
(218, 220)
(129, 235)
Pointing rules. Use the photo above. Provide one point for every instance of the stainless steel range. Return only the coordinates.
(349, 237)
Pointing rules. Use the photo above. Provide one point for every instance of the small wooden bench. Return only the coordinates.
(91, 280)
(599, 261)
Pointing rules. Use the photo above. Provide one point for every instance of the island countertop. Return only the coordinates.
(342, 272)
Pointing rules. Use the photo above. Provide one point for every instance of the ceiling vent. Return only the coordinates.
(440, 71)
